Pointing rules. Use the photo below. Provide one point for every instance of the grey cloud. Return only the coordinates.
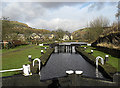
(58, 4)
(26, 11)
(99, 5)
(23, 11)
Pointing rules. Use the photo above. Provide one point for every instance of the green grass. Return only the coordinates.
(112, 60)
(15, 58)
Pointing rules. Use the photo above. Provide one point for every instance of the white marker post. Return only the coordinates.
(106, 58)
(42, 52)
(30, 58)
(91, 51)
(45, 48)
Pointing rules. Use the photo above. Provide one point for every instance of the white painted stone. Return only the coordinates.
(40, 44)
(106, 55)
(29, 56)
(91, 51)
(70, 72)
(79, 72)
(41, 51)
(88, 44)
(45, 47)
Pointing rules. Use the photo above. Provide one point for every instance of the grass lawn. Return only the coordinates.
(15, 58)
(112, 60)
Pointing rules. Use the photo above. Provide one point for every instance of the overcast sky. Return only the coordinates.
(68, 16)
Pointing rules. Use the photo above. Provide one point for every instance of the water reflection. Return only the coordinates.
(97, 73)
(64, 49)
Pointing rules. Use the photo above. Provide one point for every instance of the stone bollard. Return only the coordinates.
(116, 78)
(30, 58)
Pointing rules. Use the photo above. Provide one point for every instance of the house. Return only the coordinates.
(51, 36)
(21, 37)
(71, 37)
(36, 36)
(65, 37)
(3, 44)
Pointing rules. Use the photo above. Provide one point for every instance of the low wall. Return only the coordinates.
(45, 57)
(113, 52)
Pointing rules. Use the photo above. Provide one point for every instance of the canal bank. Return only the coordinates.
(107, 70)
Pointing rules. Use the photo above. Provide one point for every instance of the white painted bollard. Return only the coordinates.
(39, 63)
(30, 57)
(106, 57)
(42, 52)
(91, 51)
(45, 48)
(84, 47)
(88, 44)
(26, 70)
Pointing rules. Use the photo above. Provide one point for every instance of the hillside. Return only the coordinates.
(111, 40)
(110, 37)
(11, 29)
(80, 34)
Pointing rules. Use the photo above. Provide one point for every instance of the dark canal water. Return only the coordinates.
(65, 58)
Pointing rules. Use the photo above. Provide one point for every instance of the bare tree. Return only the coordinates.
(97, 26)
